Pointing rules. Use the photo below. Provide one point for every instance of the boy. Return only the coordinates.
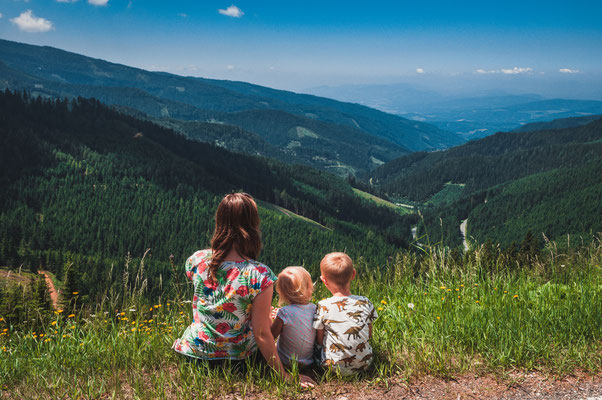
(343, 322)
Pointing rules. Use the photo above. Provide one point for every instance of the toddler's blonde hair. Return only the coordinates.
(337, 268)
(294, 286)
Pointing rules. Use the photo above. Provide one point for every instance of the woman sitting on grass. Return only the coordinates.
(230, 289)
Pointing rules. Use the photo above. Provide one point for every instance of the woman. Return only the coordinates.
(230, 290)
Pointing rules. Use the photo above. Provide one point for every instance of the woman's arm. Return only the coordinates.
(260, 313)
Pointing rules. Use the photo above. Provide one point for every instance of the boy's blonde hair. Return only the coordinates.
(337, 268)
(294, 286)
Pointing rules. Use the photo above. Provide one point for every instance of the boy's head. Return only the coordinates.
(294, 286)
(337, 268)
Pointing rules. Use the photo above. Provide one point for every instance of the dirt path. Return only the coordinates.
(54, 296)
(463, 230)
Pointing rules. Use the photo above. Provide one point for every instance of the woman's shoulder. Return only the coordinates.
(199, 257)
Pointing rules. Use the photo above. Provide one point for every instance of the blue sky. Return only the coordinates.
(300, 44)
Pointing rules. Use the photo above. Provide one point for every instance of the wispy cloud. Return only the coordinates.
(569, 71)
(232, 11)
(183, 15)
(419, 71)
(27, 22)
(0, 15)
(98, 2)
(507, 71)
(66, 1)
(230, 67)
(516, 70)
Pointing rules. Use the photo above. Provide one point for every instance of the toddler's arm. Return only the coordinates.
(320, 336)
(276, 327)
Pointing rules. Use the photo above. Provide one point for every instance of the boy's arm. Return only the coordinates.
(320, 336)
(276, 327)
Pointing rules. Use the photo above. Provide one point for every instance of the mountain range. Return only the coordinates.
(341, 137)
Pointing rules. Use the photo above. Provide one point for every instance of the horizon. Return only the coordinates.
(467, 50)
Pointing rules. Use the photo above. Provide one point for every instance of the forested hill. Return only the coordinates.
(56, 73)
(506, 185)
(559, 123)
(82, 180)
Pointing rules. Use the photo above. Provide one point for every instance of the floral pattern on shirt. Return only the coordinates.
(221, 310)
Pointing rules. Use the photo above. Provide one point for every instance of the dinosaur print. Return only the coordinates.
(336, 347)
(332, 321)
(356, 315)
(331, 331)
(359, 303)
(361, 347)
(366, 357)
(341, 304)
(354, 331)
(323, 308)
(348, 360)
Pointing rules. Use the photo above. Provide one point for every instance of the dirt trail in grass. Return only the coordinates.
(54, 296)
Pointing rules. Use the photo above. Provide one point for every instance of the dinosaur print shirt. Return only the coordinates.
(346, 323)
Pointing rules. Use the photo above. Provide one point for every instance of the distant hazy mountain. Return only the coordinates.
(472, 117)
(558, 123)
(53, 72)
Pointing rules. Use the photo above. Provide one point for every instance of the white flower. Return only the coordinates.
(411, 306)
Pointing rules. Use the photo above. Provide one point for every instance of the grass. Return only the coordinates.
(381, 202)
(477, 315)
(448, 194)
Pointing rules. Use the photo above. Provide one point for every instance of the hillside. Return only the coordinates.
(505, 185)
(559, 123)
(56, 73)
(84, 182)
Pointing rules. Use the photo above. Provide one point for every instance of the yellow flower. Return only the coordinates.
(461, 285)
(380, 308)
(64, 336)
(70, 315)
(219, 308)
(477, 301)
(124, 318)
(133, 329)
(133, 322)
(81, 344)
(1, 319)
(438, 318)
(516, 296)
(457, 290)
(72, 327)
(47, 340)
(6, 330)
(75, 293)
(151, 309)
(237, 325)
(442, 298)
(505, 291)
(458, 297)
(425, 293)
(53, 323)
(494, 288)
(59, 311)
(383, 302)
(122, 314)
(156, 306)
(449, 290)
(442, 288)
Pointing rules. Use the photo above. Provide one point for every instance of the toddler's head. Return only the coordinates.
(294, 286)
(338, 269)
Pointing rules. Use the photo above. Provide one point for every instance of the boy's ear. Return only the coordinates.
(353, 275)
(323, 279)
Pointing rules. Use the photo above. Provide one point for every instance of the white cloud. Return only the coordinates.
(507, 71)
(569, 71)
(183, 15)
(516, 70)
(66, 1)
(0, 15)
(98, 2)
(28, 22)
(230, 67)
(232, 11)
(419, 71)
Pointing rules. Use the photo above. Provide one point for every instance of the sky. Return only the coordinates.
(297, 45)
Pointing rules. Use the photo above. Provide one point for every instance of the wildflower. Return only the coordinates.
(64, 336)
(124, 318)
(53, 323)
(47, 340)
(449, 290)
(380, 308)
(494, 288)
(6, 330)
(133, 322)
(59, 311)
(1, 319)
(149, 321)
(462, 285)
(81, 344)
(132, 310)
(133, 329)
(181, 312)
(151, 309)
(516, 296)
(156, 306)
(442, 298)
(70, 315)
(411, 306)
(122, 314)
(438, 318)
(72, 327)
(442, 288)
(477, 301)
(383, 302)
(505, 291)
(476, 284)
(75, 293)
(458, 297)
(457, 290)
(425, 293)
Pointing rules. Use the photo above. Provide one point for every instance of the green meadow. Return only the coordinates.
(440, 314)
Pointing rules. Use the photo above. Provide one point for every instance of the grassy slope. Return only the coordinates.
(381, 202)
(467, 318)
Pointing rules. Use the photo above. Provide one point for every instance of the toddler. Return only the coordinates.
(293, 323)
(343, 322)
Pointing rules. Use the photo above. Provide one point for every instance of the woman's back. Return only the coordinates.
(221, 309)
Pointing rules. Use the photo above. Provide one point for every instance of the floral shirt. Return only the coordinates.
(221, 310)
